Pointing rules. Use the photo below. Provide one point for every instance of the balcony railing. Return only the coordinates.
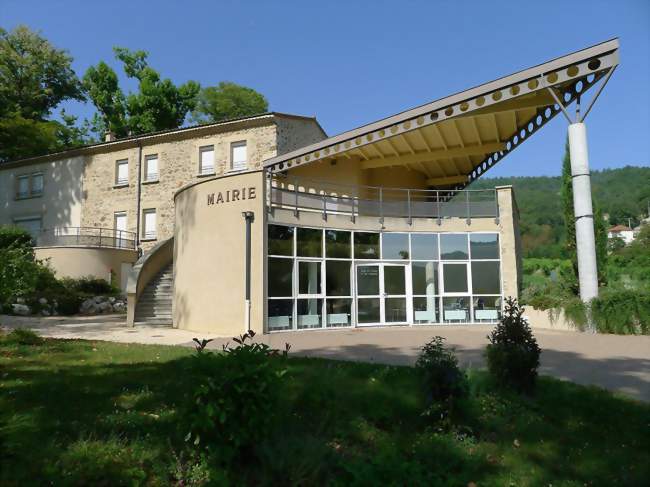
(374, 201)
(87, 237)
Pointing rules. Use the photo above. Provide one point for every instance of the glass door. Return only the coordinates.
(394, 293)
(381, 294)
(368, 294)
(309, 305)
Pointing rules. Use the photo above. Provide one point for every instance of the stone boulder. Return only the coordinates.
(21, 309)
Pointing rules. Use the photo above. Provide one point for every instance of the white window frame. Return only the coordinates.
(233, 146)
(119, 164)
(151, 177)
(203, 168)
(147, 233)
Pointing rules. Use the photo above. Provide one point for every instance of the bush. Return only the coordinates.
(513, 354)
(23, 336)
(622, 311)
(442, 379)
(15, 238)
(19, 273)
(90, 286)
(233, 405)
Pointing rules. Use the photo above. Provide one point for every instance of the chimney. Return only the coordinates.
(109, 136)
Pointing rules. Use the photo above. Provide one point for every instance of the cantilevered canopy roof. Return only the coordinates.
(456, 139)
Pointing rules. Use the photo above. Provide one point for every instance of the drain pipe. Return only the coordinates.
(137, 214)
(249, 216)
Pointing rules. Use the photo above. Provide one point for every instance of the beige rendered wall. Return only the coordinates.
(60, 203)
(84, 261)
(209, 256)
(178, 165)
(349, 172)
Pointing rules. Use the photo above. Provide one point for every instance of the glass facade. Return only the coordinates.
(326, 278)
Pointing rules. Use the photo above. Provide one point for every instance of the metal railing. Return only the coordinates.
(86, 236)
(300, 194)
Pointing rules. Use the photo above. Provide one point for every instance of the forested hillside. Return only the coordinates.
(621, 193)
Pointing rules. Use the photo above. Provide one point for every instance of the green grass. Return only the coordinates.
(97, 413)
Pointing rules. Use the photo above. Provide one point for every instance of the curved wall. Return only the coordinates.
(209, 254)
(88, 261)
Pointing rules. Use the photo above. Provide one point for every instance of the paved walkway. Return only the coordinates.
(618, 363)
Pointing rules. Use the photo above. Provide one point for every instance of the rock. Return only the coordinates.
(99, 299)
(119, 307)
(111, 300)
(20, 300)
(21, 309)
(86, 305)
(45, 312)
(105, 307)
(42, 301)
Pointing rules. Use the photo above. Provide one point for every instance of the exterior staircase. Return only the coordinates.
(155, 304)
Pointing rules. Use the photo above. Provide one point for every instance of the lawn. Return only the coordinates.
(97, 413)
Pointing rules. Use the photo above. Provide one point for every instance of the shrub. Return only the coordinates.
(90, 286)
(513, 354)
(19, 273)
(442, 379)
(622, 311)
(15, 237)
(23, 336)
(233, 405)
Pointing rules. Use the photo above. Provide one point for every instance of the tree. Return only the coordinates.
(228, 100)
(35, 77)
(600, 229)
(157, 105)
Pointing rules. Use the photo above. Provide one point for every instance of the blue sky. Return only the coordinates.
(350, 63)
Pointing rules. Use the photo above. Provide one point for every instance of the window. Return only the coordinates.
(455, 278)
(29, 185)
(238, 155)
(337, 244)
(424, 246)
(309, 242)
(23, 187)
(453, 246)
(366, 245)
(151, 168)
(122, 172)
(149, 224)
(32, 225)
(37, 184)
(484, 245)
(395, 246)
(119, 220)
(206, 159)
(325, 278)
(280, 240)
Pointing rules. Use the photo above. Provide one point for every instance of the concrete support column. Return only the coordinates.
(583, 210)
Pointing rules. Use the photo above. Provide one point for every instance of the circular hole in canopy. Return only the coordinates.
(522, 134)
(515, 139)
(579, 86)
(514, 90)
(572, 71)
(552, 78)
(480, 101)
(591, 78)
(434, 116)
(547, 113)
(567, 96)
(594, 64)
(532, 84)
(464, 106)
(539, 120)
(531, 127)
(496, 96)
(449, 111)
(508, 145)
